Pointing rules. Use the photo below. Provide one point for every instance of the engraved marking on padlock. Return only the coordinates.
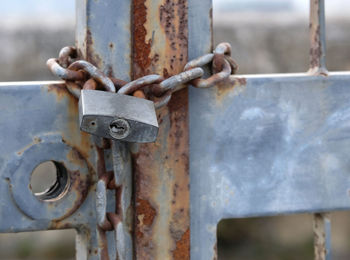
(117, 116)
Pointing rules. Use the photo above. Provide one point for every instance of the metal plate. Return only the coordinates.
(39, 122)
(268, 145)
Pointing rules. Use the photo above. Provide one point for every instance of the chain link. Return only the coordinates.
(80, 74)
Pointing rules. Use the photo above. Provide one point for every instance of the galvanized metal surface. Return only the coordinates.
(260, 145)
(46, 128)
(103, 38)
(273, 145)
(103, 35)
(199, 43)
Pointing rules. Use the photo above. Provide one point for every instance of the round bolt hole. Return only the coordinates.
(119, 128)
(49, 180)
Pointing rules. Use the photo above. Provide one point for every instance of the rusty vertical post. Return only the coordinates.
(322, 225)
(161, 175)
(317, 38)
(322, 236)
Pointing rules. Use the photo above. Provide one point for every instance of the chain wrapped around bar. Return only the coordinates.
(80, 74)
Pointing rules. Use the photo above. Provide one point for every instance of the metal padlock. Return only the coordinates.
(116, 116)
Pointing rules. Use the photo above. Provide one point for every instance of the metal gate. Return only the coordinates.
(252, 145)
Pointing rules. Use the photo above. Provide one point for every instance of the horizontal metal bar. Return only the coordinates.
(38, 122)
(268, 145)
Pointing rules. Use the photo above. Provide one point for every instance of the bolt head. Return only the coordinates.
(119, 128)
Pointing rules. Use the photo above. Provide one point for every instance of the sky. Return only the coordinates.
(65, 9)
(35, 8)
(333, 7)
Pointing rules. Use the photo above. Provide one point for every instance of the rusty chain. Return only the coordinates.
(80, 74)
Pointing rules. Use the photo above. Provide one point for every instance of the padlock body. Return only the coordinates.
(99, 110)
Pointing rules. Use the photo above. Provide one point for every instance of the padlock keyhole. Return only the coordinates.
(119, 128)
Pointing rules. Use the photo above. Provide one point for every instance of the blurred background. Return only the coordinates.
(267, 36)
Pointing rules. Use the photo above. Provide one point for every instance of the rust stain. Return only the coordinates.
(60, 90)
(320, 235)
(182, 250)
(103, 244)
(227, 86)
(167, 18)
(145, 216)
(315, 49)
(316, 55)
(161, 177)
(101, 166)
(72, 135)
(178, 140)
(169, 155)
(141, 46)
(89, 53)
(75, 157)
(80, 183)
(36, 140)
(144, 212)
(173, 21)
(139, 94)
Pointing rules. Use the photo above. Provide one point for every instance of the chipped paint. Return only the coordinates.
(161, 169)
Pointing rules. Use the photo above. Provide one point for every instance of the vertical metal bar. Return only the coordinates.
(317, 38)
(161, 178)
(103, 35)
(123, 219)
(203, 226)
(322, 226)
(322, 236)
(103, 38)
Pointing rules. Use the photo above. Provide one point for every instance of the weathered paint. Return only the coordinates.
(81, 154)
(52, 134)
(103, 35)
(161, 169)
(83, 151)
